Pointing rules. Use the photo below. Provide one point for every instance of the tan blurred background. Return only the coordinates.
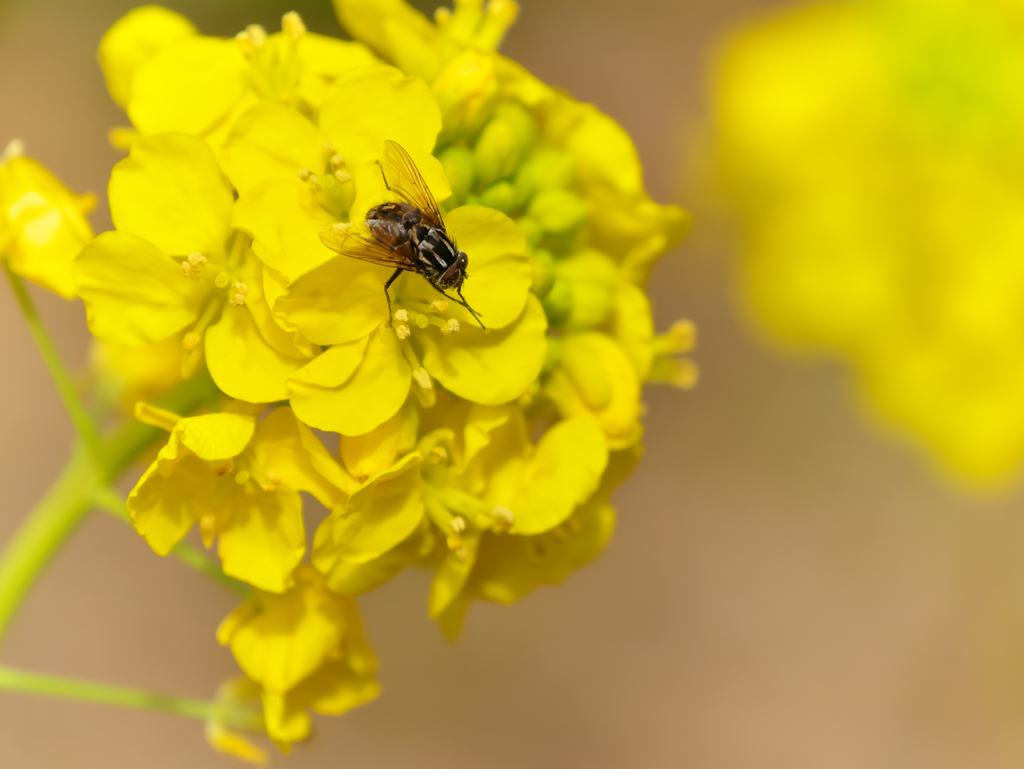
(787, 586)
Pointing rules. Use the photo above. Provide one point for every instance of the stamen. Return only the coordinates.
(423, 379)
(257, 34)
(458, 524)
(402, 316)
(189, 341)
(337, 161)
(224, 467)
(451, 328)
(273, 481)
(193, 265)
(440, 453)
(291, 25)
(343, 176)
(304, 174)
(440, 305)
(442, 17)
(402, 331)
(238, 297)
(314, 184)
(15, 149)
(329, 150)
(504, 519)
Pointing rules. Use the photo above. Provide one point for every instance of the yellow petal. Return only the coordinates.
(371, 104)
(284, 220)
(335, 689)
(264, 539)
(499, 273)
(323, 59)
(163, 506)
(375, 451)
(563, 473)
(45, 223)
(633, 326)
(171, 192)
(339, 301)
(215, 436)
(270, 141)
(452, 574)
(134, 39)
(368, 20)
(189, 86)
(374, 391)
(289, 343)
(286, 447)
(134, 294)
(285, 722)
(347, 578)
(493, 367)
(241, 362)
(382, 513)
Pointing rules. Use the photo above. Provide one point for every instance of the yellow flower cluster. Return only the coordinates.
(874, 150)
(486, 456)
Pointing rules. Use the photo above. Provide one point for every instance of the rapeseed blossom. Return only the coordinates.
(873, 150)
(482, 449)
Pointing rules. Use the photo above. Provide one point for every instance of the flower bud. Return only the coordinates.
(543, 272)
(466, 90)
(546, 169)
(559, 212)
(500, 196)
(458, 167)
(504, 142)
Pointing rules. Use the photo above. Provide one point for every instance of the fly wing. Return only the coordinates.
(404, 178)
(344, 240)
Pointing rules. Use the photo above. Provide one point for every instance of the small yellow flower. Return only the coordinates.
(872, 150)
(42, 223)
(240, 481)
(175, 265)
(169, 78)
(305, 649)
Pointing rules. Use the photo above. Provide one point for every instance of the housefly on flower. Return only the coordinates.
(408, 235)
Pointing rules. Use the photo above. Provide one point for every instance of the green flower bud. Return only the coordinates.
(559, 212)
(458, 167)
(504, 143)
(592, 277)
(558, 302)
(531, 229)
(553, 358)
(546, 169)
(543, 272)
(500, 195)
(466, 90)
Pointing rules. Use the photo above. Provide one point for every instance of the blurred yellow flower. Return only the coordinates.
(874, 152)
(305, 649)
(42, 223)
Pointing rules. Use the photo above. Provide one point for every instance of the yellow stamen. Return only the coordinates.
(238, 297)
(451, 328)
(440, 305)
(402, 316)
(442, 17)
(193, 265)
(458, 524)
(337, 161)
(304, 174)
(225, 467)
(423, 379)
(257, 34)
(314, 184)
(189, 341)
(273, 481)
(343, 176)
(504, 519)
(402, 331)
(292, 25)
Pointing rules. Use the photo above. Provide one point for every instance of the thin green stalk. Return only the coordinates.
(111, 502)
(52, 686)
(84, 425)
(72, 495)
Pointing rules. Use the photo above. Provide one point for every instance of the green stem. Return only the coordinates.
(111, 502)
(84, 425)
(35, 683)
(72, 495)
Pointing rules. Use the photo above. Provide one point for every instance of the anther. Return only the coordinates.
(314, 184)
(304, 174)
(402, 331)
(329, 150)
(291, 25)
(343, 176)
(440, 305)
(458, 524)
(439, 453)
(402, 316)
(423, 379)
(443, 17)
(337, 161)
(503, 518)
(15, 149)
(257, 34)
(273, 481)
(451, 328)
(225, 467)
(192, 266)
(237, 297)
(189, 341)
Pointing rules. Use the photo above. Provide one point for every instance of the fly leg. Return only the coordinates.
(462, 300)
(387, 285)
(382, 176)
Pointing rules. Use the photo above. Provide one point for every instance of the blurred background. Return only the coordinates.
(792, 582)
